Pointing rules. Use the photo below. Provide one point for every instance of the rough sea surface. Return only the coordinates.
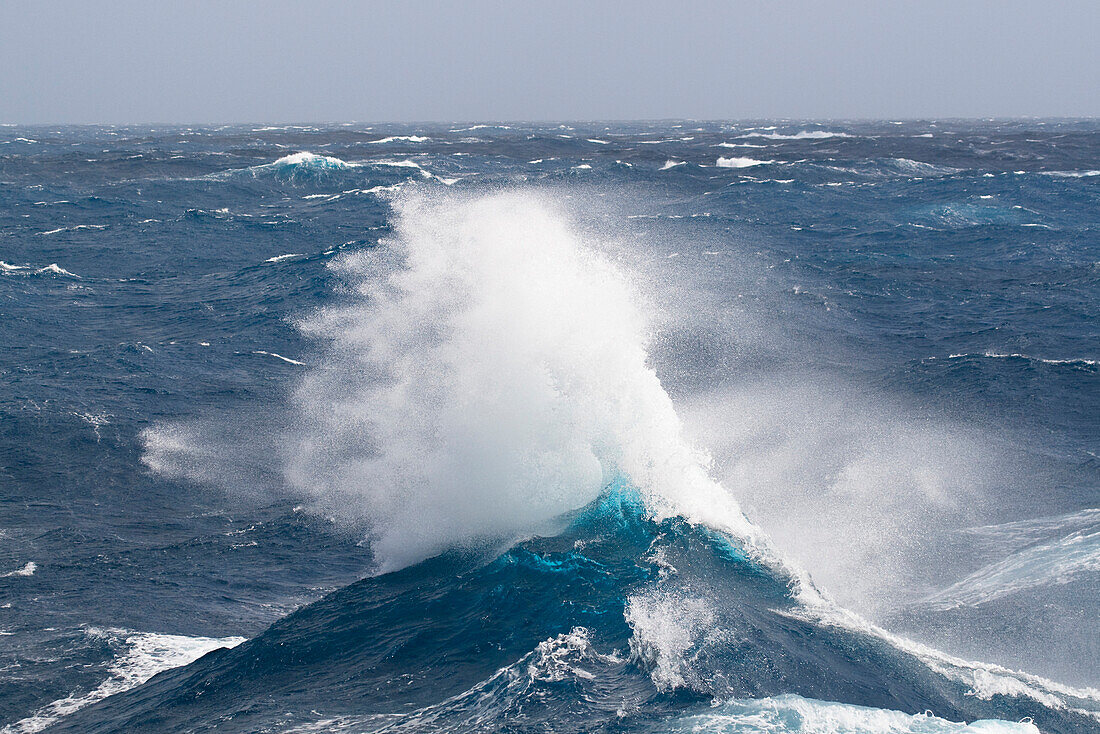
(769, 426)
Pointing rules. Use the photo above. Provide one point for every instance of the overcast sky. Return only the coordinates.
(281, 61)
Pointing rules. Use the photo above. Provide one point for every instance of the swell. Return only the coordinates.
(618, 623)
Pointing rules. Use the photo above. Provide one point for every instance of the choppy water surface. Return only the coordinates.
(738, 427)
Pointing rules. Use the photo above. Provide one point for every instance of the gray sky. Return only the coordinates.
(279, 61)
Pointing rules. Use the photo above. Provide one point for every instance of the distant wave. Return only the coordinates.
(280, 258)
(51, 269)
(920, 168)
(400, 138)
(800, 135)
(28, 569)
(74, 228)
(479, 127)
(1028, 358)
(1071, 174)
(737, 162)
(288, 360)
(306, 167)
(293, 167)
(305, 159)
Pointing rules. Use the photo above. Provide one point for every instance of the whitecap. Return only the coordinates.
(146, 654)
(800, 135)
(479, 127)
(279, 356)
(306, 159)
(56, 270)
(1071, 174)
(74, 228)
(737, 162)
(984, 680)
(407, 163)
(27, 570)
(1029, 358)
(400, 138)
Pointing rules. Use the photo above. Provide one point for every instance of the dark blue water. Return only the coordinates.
(412, 378)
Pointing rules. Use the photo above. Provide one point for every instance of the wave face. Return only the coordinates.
(554, 428)
(619, 622)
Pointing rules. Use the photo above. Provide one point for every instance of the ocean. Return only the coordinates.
(759, 426)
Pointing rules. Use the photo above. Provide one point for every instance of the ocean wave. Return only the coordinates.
(406, 163)
(920, 168)
(55, 269)
(970, 214)
(51, 269)
(306, 167)
(288, 360)
(497, 270)
(480, 127)
(143, 655)
(671, 164)
(400, 138)
(659, 620)
(306, 160)
(1073, 361)
(737, 162)
(797, 715)
(281, 258)
(74, 228)
(292, 167)
(800, 135)
(1071, 174)
(28, 569)
(982, 681)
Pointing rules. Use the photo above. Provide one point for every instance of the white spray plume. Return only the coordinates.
(493, 377)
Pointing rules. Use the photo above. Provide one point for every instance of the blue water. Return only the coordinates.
(391, 412)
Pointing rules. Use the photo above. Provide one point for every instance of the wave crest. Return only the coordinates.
(495, 376)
